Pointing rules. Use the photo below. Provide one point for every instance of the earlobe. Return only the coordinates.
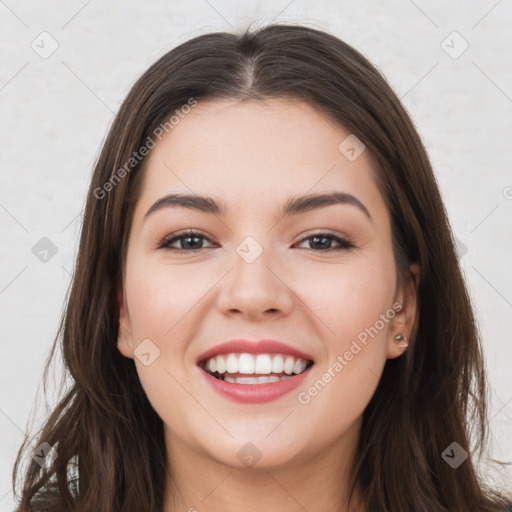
(404, 322)
(400, 344)
(124, 336)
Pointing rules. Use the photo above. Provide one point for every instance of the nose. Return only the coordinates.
(255, 289)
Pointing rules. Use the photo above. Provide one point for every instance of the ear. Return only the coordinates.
(406, 299)
(124, 336)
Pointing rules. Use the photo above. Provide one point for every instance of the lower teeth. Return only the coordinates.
(253, 380)
(256, 380)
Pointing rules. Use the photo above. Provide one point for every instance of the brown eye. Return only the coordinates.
(322, 242)
(190, 241)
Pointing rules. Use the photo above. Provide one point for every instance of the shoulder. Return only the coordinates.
(73, 476)
(48, 497)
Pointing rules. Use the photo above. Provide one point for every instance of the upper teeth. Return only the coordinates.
(256, 364)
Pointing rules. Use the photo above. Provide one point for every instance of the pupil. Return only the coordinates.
(325, 246)
(196, 238)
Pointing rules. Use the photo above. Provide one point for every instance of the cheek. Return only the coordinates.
(160, 300)
(160, 297)
(348, 297)
(357, 302)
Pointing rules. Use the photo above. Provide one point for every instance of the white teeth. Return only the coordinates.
(256, 364)
(246, 380)
(256, 380)
(289, 363)
(299, 366)
(278, 365)
(232, 364)
(263, 364)
(246, 364)
(221, 364)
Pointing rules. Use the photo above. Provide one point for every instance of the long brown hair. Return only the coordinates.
(425, 401)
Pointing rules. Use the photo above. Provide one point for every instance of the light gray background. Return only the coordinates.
(56, 111)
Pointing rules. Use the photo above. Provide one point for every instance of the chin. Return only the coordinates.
(256, 453)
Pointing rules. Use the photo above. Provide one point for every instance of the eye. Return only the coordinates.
(324, 239)
(192, 241)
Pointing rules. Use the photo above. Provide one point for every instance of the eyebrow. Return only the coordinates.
(294, 205)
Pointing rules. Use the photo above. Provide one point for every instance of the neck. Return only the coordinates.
(320, 483)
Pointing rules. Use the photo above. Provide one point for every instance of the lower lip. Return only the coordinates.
(254, 393)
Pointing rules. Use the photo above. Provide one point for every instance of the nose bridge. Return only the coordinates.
(254, 285)
(252, 259)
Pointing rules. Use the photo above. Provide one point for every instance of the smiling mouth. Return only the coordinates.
(244, 368)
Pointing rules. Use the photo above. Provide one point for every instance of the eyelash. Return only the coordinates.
(166, 242)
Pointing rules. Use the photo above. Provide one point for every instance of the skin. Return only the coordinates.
(254, 156)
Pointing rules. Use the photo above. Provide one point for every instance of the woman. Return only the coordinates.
(267, 311)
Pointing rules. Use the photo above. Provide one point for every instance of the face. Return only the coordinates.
(320, 280)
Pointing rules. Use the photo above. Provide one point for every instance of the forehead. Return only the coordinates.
(255, 155)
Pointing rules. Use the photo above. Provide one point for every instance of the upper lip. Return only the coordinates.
(266, 346)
